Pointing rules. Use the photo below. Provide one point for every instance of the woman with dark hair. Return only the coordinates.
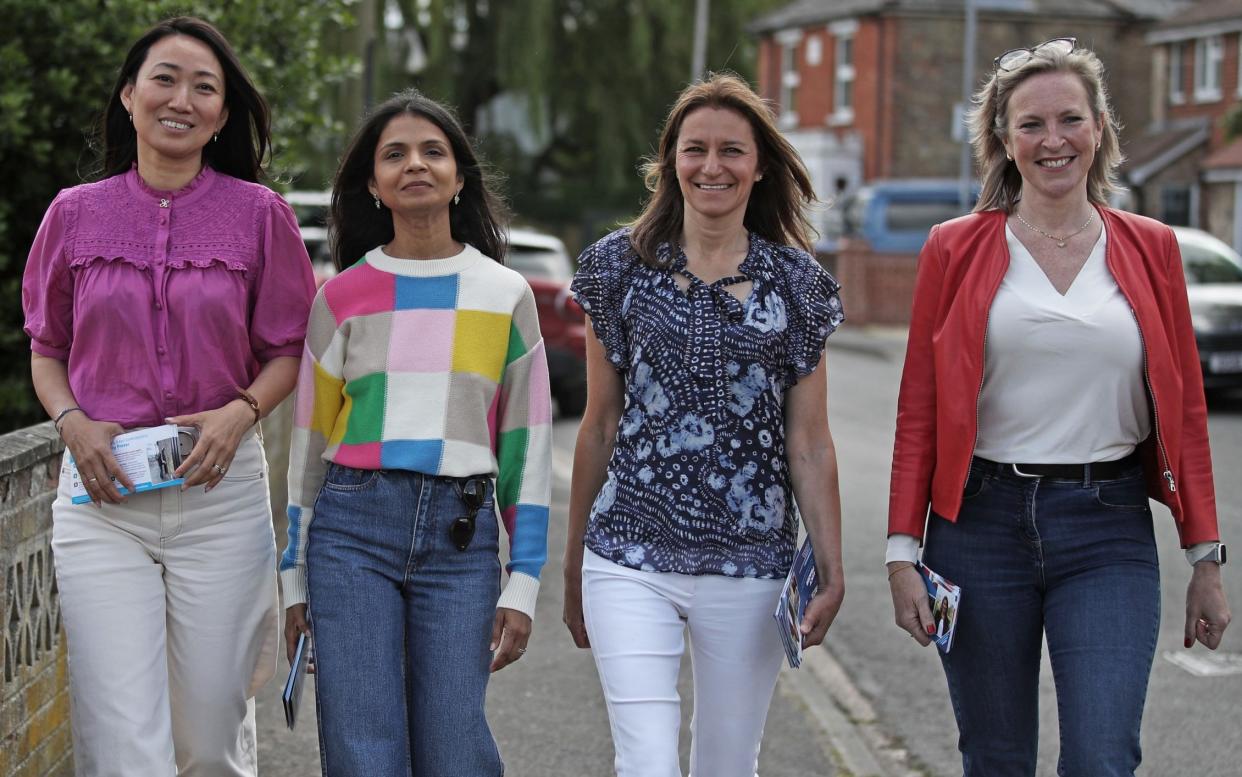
(174, 290)
(706, 416)
(423, 410)
(1051, 386)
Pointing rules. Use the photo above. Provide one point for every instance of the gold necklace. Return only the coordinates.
(1060, 241)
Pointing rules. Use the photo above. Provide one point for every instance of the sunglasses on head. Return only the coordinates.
(1015, 58)
(461, 530)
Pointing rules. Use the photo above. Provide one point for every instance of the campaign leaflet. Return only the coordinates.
(944, 598)
(800, 586)
(292, 695)
(149, 457)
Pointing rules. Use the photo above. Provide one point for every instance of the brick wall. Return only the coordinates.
(34, 687)
(1229, 88)
(876, 288)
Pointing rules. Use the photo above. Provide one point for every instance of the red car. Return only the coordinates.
(545, 263)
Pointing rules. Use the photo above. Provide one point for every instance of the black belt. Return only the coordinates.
(1096, 470)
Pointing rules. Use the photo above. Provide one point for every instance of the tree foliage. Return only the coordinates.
(596, 78)
(58, 61)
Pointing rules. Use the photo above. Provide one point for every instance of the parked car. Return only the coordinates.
(1214, 286)
(894, 216)
(311, 209)
(546, 265)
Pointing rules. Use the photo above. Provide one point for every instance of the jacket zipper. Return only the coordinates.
(987, 319)
(1155, 409)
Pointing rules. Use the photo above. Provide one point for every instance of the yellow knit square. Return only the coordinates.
(480, 342)
(328, 399)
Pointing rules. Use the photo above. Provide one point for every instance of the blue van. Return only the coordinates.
(894, 216)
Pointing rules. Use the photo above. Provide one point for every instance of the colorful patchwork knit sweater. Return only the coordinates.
(433, 366)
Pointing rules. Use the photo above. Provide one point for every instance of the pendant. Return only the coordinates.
(1061, 245)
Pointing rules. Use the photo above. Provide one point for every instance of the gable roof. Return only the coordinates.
(1204, 17)
(805, 13)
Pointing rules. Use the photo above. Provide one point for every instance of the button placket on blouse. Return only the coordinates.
(703, 334)
(159, 278)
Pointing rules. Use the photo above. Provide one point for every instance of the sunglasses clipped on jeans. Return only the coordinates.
(1015, 58)
(461, 530)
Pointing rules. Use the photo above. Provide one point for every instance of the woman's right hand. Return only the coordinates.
(910, 609)
(573, 604)
(295, 626)
(90, 442)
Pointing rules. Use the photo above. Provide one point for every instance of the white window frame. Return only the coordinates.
(1209, 62)
(791, 78)
(1177, 73)
(843, 70)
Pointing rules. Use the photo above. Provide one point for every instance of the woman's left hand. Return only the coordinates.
(219, 433)
(821, 611)
(1207, 612)
(510, 633)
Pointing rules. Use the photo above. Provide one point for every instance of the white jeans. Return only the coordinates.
(636, 622)
(169, 603)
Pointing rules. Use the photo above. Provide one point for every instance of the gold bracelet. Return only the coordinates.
(898, 569)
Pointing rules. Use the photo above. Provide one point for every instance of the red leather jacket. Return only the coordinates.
(960, 269)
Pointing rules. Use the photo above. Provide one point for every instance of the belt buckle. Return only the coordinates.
(1020, 473)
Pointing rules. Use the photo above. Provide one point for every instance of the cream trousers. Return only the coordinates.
(170, 606)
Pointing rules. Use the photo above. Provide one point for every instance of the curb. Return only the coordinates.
(860, 745)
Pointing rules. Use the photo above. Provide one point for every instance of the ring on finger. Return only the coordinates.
(521, 651)
(220, 470)
(92, 480)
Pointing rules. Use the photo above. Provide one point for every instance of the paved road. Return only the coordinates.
(547, 711)
(1192, 724)
(548, 714)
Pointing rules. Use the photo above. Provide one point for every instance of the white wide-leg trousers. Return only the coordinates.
(170, 607)
(637, 622)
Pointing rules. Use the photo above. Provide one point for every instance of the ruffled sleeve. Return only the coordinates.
(47, 284)
(285, 287)
(599, 287)
(815, 312)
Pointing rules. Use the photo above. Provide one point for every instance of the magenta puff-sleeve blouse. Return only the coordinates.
(162, 302)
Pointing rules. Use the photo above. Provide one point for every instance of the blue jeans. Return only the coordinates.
(402, 622)
(1075, 561)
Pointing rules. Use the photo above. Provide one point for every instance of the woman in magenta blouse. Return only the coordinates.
(176, 289)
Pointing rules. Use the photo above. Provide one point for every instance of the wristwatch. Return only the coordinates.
(1214, 553)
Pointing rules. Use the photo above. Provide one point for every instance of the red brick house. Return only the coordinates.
(1185, 169)
(867, 89)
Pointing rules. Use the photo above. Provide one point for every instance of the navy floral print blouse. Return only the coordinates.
(698, 481)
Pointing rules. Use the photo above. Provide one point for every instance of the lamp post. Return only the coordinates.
(968, 84)
(702, 9)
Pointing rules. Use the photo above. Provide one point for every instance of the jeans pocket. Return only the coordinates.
(342, 478)
(976, 484)
(1128, 495)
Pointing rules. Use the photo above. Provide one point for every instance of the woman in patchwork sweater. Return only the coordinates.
(423, 411)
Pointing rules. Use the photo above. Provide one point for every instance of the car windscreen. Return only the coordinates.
(920, 216)
(540, 263)
(1206, 266)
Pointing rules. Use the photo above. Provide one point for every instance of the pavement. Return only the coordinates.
(548, 715)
